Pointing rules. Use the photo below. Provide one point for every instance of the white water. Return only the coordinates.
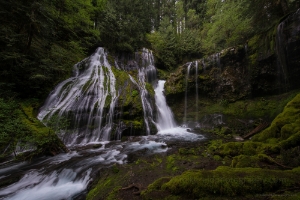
(82, 98)
(145, 103)
(197, 97)
(66, 175)
(166, 125)
(186, 88)
(165, 119)
(57, 185)
(146, 73)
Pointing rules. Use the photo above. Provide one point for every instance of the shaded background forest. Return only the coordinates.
(41, 40)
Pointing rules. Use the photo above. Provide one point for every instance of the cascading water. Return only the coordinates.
(166, 124)
(165, 119)
(146, 73)
(197, 97)
(83, 98)
(88, 100)
(148, 115)
(186, 88)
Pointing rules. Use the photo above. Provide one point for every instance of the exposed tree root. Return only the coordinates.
(132, 186)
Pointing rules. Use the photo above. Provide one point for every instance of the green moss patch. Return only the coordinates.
(286, 126)
(108, 185)
(226, 181)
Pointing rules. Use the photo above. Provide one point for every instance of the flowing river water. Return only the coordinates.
(67, 175)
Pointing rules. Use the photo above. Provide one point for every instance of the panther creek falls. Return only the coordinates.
(102, 102)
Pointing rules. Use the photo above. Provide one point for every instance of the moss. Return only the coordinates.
(86, 85)
(286, 126)
(134, 93)
(40, 136)
(291, 142)
(187, 151)
(162, 75)
(107, 187)
(245, 161)
(266, 108)
(217, 157)
(115, 169)
(247, 148)
(230, 149)
(175, 84)
(150, 90)
(214, 145)
(136, 124)
(156, 185)
(171, 163)
(226, 181)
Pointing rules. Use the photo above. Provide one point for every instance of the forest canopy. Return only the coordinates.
(41, 40)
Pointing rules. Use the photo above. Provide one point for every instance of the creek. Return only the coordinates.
(89, 99)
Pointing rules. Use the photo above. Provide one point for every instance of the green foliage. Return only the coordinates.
(11, 126)
(40, 41)
(285, 126)
(19, 126)
(227, 181)
(227, 25)
(124, 24)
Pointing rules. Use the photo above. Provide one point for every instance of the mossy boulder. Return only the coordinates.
(27, 133)
(225, 182)
(43, 138)
(285, 128)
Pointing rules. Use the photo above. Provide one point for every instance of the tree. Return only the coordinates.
(228, 25)
(40, 42)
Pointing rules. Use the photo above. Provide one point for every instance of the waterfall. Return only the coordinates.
(146, 73)
(281, 53)
(148, 111)
(88, 99)
(196, 91)
(165, 119)
(186, 88)
(148, 67)
(82, 99)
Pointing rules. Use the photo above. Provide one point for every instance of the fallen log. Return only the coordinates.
(132, 186)
(259, 128)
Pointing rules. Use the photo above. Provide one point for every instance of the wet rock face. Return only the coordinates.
(269, 65)
(220, 76)
(289, 31)
(278, 66)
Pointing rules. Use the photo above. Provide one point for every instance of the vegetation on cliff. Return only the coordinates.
(21, 132)
(41, 40)
(214, 169)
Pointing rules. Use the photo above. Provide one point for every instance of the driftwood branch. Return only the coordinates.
(132, 186)
(259, 128)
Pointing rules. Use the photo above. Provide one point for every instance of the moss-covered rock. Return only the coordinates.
(28, 134)
(226, 182)
(43, 138)
(285, 127)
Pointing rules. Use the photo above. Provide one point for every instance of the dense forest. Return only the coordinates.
(225, 72)
(41, 40)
